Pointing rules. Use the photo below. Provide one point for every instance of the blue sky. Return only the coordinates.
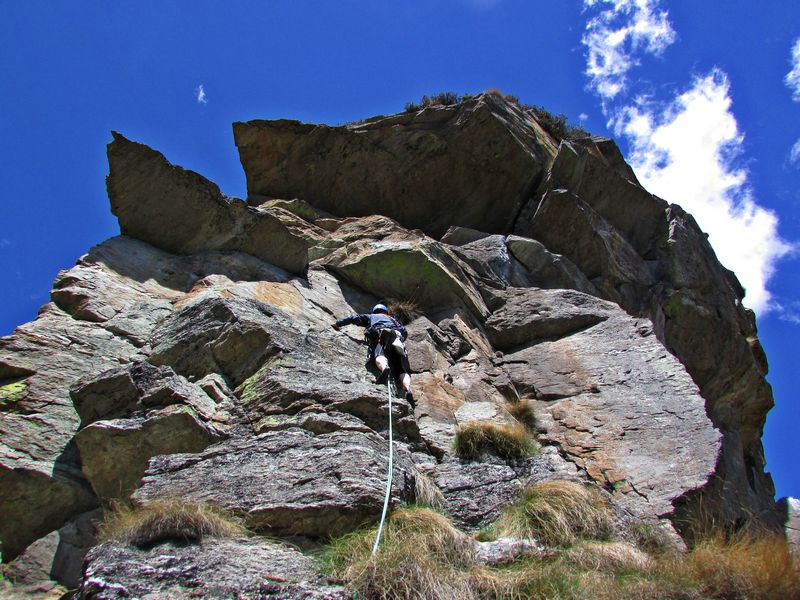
(703, 98)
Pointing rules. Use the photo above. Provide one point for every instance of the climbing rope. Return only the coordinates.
(389, 478)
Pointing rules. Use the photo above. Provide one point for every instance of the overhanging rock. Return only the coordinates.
(473, 164)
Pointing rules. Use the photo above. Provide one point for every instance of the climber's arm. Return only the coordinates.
(360, 320)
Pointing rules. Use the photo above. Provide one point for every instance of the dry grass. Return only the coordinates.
(557, 513)
(651, 537)
(168, 520)
(421, 556)
(427, 493)
(610, 557)
(507, 441)
(744, 567)
(523, 412)
(405, 310)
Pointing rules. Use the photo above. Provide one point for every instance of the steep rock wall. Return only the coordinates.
(192, 356)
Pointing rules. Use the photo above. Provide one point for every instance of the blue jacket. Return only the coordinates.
(374, 321)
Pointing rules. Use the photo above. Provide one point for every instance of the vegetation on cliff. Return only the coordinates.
(423, 557)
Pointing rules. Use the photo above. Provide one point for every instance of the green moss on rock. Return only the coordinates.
(11, 393)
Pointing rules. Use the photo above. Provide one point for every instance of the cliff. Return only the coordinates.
(192, 357)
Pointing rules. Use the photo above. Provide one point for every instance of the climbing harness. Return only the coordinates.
(389, 385)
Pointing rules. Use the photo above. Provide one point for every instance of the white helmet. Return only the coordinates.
(380, 308)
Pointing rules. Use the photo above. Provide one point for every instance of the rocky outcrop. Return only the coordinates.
(473, 164)
(146, 192)
(288, 483)
(216, 568)
(192, 357)
(40, 472)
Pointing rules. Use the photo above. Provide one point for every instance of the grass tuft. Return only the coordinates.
(745, 566)
(405, 310)
(650, 537)
(168, 520)
(507, 441)
(610, 557)
(421, 556)
(440, 99)
(523, 412)
(427, 493)
(556, 513)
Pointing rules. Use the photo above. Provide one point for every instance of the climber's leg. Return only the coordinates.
(382, 363)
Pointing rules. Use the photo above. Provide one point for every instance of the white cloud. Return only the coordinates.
(616, 34)
(792, 78)
(788, 312)
(200, 94)
(794, 153)
(687, 153)
(583, 117)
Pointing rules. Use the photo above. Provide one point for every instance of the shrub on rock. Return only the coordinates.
(421, 556)
(523, 412)
(168, 520)
(507, 441)
(556, 513)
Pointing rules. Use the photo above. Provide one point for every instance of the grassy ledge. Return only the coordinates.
(507, 441)
(557, 513)
(168, 520)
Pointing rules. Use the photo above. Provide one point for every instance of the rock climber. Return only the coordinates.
(385, 336)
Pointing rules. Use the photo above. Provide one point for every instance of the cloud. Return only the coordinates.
(4, 243)
(792, 78)
(583, 117)
(616, 34)
(687, 152)
(794, 154)
(200, 94)
(789, 312)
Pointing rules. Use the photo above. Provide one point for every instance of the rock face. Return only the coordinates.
(219, 568)
(192, 357)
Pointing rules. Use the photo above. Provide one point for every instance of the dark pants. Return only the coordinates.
(398, 360)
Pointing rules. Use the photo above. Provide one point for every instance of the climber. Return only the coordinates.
(385, 336)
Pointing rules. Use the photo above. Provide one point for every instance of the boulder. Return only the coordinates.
(288, 482)
(132, 390)
(183, 212)
(422, 271)
(532, 314)
(58, 556)
(215, 334)
(135, 412)
(607, 392)
(115, 452)
(508, 550)
(215, 568)
(40, 471)
(490, 258)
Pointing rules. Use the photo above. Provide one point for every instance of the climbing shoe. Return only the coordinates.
(382, 376)
(410, 399)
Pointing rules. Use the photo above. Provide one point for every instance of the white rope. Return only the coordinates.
(389, 479)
